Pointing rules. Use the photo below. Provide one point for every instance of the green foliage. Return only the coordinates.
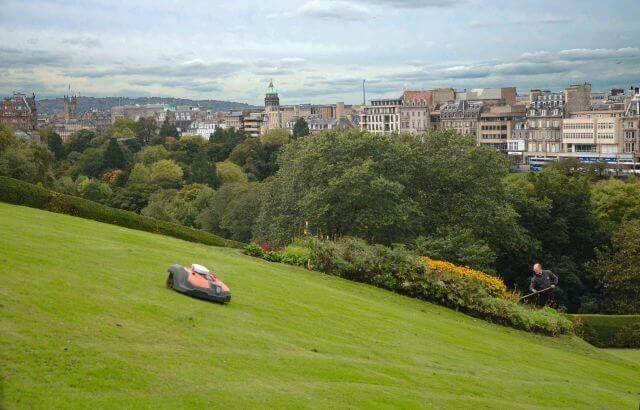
(203, 170)
(230, 173)
(608, 330)
(232, 211)
(122, 128)
(457, 245)
(254, 250)
(223, 141)
(79, 141)
(615, 201)
(165, 173)
(168, 129)
(7, 137)
(278, 136)
(150, 154)
(93, 190)
(388, 188)
(54, 143)
(22, 193)
(182, 207)
(30, 162)
(617, 270)
(300, 128)
(628, 336)
(114, 155)
(145, 130)
(257, 159)
(90, 163)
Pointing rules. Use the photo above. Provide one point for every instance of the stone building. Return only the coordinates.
(70, 110)
(496, 128)
(381, 116)
(272, 114)
(544, 122)
(489, 96)
(462, 116)
(415, 114)
(577, 98)
(631, 124)
(594, 134)
(19, 111)
(441, 96)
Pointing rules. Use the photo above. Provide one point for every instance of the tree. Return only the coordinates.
(168, 129)
(300, 128)
(457, 245)
(165, 174)
(150, 154)
(54, 143)
(80, 141)
(114, 155)
(202, 170)
(145, 129)
(122, 128)
(617, 270)
(223, 141)
(90, 163)
(230, 173)
(29, 162)
(615, 201)
(7, 137)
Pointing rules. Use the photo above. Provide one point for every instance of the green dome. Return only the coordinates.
(271, 89)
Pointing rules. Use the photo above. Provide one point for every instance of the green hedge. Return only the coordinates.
(19, 192)
(609, 330)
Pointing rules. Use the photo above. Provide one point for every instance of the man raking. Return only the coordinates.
(542, 284)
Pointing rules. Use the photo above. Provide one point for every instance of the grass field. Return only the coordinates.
(85, 321)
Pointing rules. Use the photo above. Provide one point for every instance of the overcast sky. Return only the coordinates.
(316, 50)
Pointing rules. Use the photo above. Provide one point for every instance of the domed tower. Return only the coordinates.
(271, 99)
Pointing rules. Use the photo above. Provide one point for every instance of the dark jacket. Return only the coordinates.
(546, 279)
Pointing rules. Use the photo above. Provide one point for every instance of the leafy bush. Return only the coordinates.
(254, 250)
(273, 256)
(22, 193)
(608, 330)
(494, 285)
(628, 336)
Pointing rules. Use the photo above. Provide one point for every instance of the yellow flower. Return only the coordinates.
(495, 285)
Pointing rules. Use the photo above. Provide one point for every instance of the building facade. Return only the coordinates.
(544, 123)
(631, 124)
(496, 128)
(19, 111)
(462, 116)
(594, 136)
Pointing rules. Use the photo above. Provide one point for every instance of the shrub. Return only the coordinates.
(293, 259)
(607, 330)
(254, 250)
(493, 284)
(273, 256)
(628, 336)
(22, 193)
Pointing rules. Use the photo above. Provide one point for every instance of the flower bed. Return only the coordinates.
(493, 284)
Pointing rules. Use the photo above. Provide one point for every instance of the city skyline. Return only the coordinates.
(315, 51)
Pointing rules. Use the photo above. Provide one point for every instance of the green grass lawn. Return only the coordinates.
(85, 321)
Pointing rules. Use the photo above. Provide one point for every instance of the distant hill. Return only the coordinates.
(51, 106)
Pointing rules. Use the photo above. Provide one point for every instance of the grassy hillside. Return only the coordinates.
(85, 319)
